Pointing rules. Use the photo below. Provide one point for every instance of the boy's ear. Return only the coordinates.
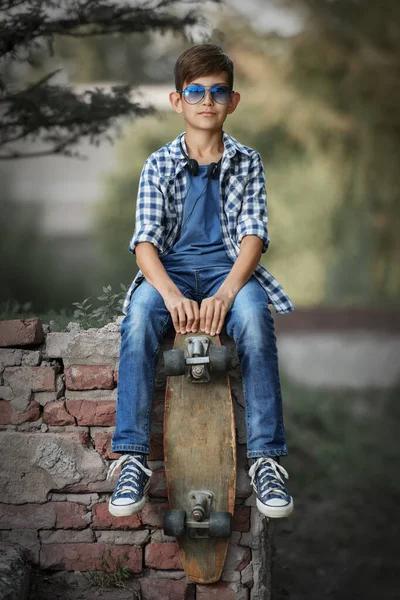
(176, 101)
(233, 102)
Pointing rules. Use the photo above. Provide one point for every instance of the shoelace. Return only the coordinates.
(270, 470)
(130, 470)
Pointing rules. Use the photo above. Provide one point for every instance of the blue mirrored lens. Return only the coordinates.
(194, 93)
(221, 94)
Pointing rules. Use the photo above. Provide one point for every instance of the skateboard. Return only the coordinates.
(199, 453)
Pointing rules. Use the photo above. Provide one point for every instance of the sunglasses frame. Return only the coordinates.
(205, 88)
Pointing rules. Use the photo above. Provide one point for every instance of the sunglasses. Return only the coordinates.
(193, 94)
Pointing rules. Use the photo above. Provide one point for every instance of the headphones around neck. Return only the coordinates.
(193, 165)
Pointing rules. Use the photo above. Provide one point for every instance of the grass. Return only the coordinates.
(111, 573)
(335, 435)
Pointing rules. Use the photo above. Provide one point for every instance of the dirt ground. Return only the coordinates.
(342, 542)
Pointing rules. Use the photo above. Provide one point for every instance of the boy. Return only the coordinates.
(201, 227)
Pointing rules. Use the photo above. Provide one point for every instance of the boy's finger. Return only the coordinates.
(182, 319)
(196, 321)
(215, 320)
(209, 317)
(175, 320)
(221, 322)
(189, 317)
(203, 311)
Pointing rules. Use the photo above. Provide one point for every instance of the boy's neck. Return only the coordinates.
(204, 146)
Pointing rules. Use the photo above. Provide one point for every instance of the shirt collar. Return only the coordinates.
(231, 146)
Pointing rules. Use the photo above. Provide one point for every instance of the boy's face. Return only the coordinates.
(207, 114)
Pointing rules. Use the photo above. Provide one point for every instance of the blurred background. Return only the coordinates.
(320, 86)
(319, 83)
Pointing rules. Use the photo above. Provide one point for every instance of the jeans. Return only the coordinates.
(249, 322)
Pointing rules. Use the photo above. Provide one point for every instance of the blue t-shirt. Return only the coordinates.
(200, 241)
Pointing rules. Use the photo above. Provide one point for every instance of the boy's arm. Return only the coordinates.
(148, 240)
(252, 235)
(185, 313)
(213, 310)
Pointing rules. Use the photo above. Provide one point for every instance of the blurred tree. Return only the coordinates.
(54, 113)
(349, 56)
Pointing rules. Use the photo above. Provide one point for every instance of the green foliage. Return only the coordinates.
(57, 114)
(105, 313)
(111, 573)
(109, 309)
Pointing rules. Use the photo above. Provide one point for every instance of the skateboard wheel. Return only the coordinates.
(174, 362)
(174, 522)
(220, 359)
(220, 525)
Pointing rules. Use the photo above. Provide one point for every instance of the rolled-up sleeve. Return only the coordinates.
(149, 222)
(253, 218)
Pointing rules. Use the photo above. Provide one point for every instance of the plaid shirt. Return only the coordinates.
(162, 190)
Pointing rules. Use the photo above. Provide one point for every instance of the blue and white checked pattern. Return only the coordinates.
(243, 211)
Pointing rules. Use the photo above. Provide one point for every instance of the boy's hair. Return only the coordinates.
(200, 60)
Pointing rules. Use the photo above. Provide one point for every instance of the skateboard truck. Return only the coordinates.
(198, 361)
(199, 521)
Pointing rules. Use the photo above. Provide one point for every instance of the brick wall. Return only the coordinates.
(57, 413)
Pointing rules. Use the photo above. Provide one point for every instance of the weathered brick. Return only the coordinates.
(221, 591)
(26, 540)
(85, 499)
(137, 538)
(237, 559)
(163, 556)
(38, 379)
(45, 397)
(6, 392)
(85, 377)
(56, 414)
(153, 514)
(70, 515)
(10, 358)
(89, 412)
(102, 442)
(156, 443)
(79, 434)
(243, 484)
(28, 516)
(32, 358)
(102, 519)
(116, 377)
(158, 407)
(158, 485)
(21, 332)
(86, 557)
(92, 395)
(10, 416)
(166, 589)
(241, 518)
(67, 536)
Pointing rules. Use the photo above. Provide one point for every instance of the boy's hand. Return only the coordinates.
(185, 313)
(212, 313)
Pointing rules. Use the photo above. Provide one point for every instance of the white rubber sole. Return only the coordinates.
(275, 512)
(128, 510)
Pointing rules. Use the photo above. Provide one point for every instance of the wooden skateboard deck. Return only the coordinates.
(200, 454)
